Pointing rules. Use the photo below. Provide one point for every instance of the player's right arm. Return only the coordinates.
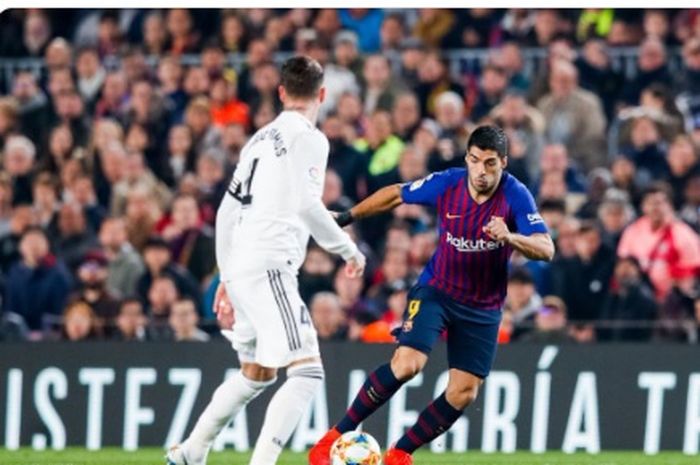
(424, 191)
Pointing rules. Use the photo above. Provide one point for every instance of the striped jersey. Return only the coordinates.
(468, 265)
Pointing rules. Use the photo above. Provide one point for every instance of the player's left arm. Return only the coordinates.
(532, 238)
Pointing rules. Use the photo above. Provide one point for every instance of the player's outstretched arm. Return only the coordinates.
(385, 199)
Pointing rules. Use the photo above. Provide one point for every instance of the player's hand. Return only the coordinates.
(497, 229)
(355, 267)
(223, 308)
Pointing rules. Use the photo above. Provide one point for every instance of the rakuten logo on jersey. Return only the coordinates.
(465, 245)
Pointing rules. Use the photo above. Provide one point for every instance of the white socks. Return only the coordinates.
(285, 410)
(228, 399)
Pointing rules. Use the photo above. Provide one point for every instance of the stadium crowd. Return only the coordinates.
(112, 169)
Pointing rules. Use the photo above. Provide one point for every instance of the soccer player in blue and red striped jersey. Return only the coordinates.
(484, 214)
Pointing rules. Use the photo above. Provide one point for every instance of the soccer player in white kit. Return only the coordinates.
(263, 225)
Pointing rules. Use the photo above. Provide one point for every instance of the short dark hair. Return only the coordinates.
(489, 138)
(659, 187)
(301, 76)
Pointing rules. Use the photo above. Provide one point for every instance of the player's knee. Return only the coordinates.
(407, 365)
(255, 372)
(460, 397)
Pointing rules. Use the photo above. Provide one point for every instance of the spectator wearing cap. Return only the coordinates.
(667, 249)
(574, 117)
(522, 301)
(92, 289)
(629, 308)
(550, 323)
(18, 160)
(191, 240)
(366, 23)
(582, 280)
(158, 260)
(124, 264)
(38, 284)
(328, 317)
(183, 321)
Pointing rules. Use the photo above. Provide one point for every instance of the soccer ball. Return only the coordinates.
(355, 448)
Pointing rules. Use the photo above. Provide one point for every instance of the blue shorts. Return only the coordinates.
(471, 333)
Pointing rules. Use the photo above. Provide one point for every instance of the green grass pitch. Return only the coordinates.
(76, 456)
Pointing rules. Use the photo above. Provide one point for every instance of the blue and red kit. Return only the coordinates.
(463, 287)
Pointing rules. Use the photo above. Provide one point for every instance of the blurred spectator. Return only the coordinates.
(392, 32)
(550, 323)
(405, 115)
(18, 160)
(113, 97)
(433, 79)
(382, 146)
(683, 164)
(677, 315)
(379, 89)
(522, 302)
(82, 191)
(328, 317)
(546, 26)
(80, 323)
(183, 322)
(597, 75)
(630, 301)
(433, 25)
(37, 33)
(316, 274)
(137, 176)
(350, 164)
(191, 241)
(5, 206)
(154, 33)
(91, 76)
(651, 67)
(22, 217)
(574, 117)
(226, 107)
(492, 86)
(524, 122)
(46, 202)
(646, 149)
(158, 261)
(33, 108)
(131, 322)
(232, 36)
(582, 280)
(124, 264)
(182, 37)
(37, 286)
(366, 23)
(690, 209)
(92, 288)
(667, 249)
(74, 238)
(688, 83)
(614, 214)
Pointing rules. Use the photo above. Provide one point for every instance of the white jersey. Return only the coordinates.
(273, 202)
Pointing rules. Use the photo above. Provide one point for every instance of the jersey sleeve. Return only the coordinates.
(311, 155)
(528, 220)
(426, 191)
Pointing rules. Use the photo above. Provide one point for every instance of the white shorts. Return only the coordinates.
(272, 326)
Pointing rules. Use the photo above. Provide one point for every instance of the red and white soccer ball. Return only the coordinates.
(356, 448)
